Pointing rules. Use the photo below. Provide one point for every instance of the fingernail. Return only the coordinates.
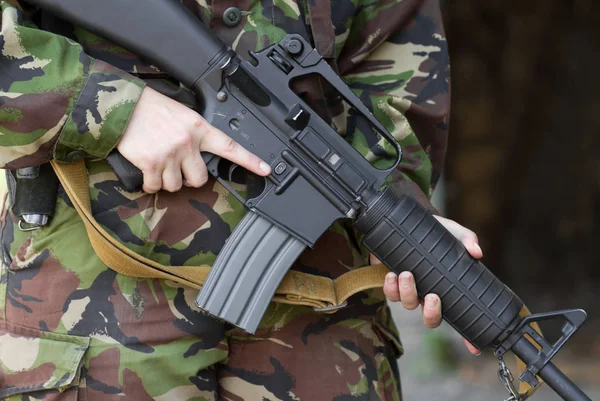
(430, 301)
(390, 278)
(477, 248)
(478, 354)
(404, 280)
(265, 167)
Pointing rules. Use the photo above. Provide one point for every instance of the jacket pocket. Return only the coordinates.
(384, 325)
(5, 205)
(35, 362)
(386, 356)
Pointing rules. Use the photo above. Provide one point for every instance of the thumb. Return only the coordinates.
(467, 237)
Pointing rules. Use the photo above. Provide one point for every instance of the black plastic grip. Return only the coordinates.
(406, 237)
(163, 31)
(130, 176)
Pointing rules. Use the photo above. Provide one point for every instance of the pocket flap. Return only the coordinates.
(33, 360)
(385, 325)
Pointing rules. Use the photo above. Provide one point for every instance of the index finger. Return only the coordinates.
(217, 142)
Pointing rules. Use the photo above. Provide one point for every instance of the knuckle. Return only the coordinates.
(203, 180)
(410, 304)
(465, 233)
(198, 181)
(169, 152)
(151, 187)
(195, 172)
(391, 294)
(199, 123)
(229, 145)
(184, 141)
(410, 294)
(172, 186)
(201, 141)
(147, 164)
(202, 176)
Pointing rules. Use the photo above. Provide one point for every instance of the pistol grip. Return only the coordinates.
(132, 177)
(129, 175)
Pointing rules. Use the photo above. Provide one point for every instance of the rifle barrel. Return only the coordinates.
(553, 377)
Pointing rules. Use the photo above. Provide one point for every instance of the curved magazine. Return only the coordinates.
(248, 271)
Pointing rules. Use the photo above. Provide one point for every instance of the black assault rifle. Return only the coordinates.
(317, 179)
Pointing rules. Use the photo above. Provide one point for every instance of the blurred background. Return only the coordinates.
(523, 172)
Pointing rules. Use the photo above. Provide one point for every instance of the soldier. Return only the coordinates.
(71, 328)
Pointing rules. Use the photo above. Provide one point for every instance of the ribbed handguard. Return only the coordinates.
(406, 237)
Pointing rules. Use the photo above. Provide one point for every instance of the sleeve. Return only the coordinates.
(55, 100)
(397, 62)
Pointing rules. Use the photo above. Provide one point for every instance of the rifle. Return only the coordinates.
(317, 179)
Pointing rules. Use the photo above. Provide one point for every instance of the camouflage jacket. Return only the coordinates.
(69, 96)
(64, 99)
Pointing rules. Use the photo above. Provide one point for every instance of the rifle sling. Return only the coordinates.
(296, 288)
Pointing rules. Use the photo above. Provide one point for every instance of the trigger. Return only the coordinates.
(238, 174)
(231, 172)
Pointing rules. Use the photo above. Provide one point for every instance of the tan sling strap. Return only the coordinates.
(525, 388)
(297, 288)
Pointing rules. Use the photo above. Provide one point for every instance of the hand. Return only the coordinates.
(164, 139)
(403, 288)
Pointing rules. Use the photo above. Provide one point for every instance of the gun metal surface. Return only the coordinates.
(317, 179)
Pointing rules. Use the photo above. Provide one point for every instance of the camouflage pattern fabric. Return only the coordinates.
(72, 329)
